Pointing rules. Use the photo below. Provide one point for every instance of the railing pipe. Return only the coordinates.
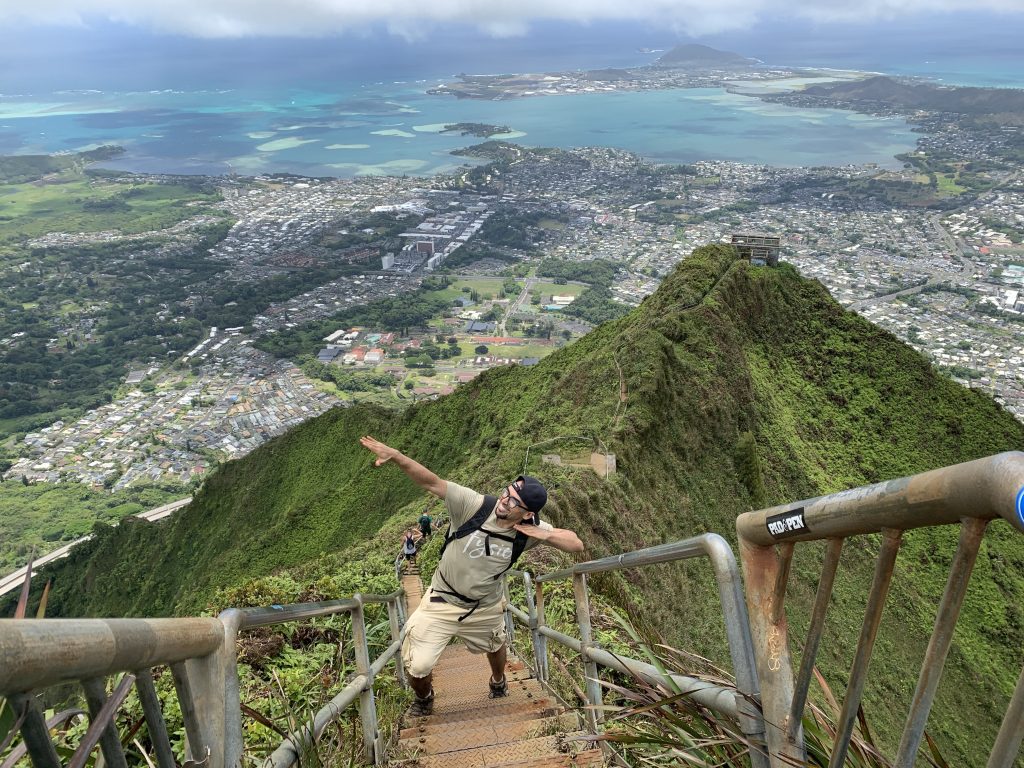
(803, 680)
(102, 729)
(785, 554)
(234, 740)
(734, 609)
(593, 687)
(971, 533)
(715, 697)
(34, 730)
(1010, 735)
(154, 719)
(367, 706)
(295, 745)
(539, 656)
(510, 625)
(101, 715)
(276, 614)
(395, 624)
(985, 488)
(30, 648)
(385, 658)
(865, 644)
(541, 621)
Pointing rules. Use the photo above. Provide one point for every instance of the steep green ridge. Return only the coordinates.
(732, 387)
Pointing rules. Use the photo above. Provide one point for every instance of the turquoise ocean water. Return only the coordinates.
(353, 106)
(394, 128)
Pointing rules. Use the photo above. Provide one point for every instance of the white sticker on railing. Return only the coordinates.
(785, 524)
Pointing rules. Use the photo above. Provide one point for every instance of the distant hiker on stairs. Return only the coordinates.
(426, 525)
(409, 548)
(485, 537)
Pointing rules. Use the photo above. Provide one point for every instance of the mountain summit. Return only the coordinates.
(695, 56)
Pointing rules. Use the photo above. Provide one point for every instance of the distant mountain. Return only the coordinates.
(701, 57)
(895, 93)
(731, 387)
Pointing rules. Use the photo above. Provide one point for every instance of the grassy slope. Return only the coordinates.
(720, 350)
(37, 519)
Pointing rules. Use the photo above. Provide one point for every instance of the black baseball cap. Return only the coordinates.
(532, 492)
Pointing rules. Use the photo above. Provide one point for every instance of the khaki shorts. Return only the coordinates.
(433, 625)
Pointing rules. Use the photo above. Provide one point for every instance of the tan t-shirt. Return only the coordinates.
(466, 566)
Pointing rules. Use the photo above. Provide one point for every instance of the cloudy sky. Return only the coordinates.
(218, 19)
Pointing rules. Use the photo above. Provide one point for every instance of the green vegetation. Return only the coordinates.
(36, 519)
(599, 272)
(483, 130)
(346, 381)
(885, 90)
(742, 386)
(595, 304)
(17, 169)
(518, 229)
(85, 203)
(411, 310)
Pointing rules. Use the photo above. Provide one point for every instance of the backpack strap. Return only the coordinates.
(473, 524)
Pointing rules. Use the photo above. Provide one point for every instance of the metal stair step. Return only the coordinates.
(478, 679)
(423, 726)
(477, 685)
(487, 733)
(588, 758)
(475, 699)
(509, 754)
(473, 664)
(508, 710)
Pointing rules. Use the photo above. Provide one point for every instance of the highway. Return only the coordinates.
(14, 580)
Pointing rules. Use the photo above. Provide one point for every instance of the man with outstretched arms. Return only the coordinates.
(486, 534)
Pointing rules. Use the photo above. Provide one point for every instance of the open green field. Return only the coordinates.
(76, 203)
(548, 288)
(482, 285)
(947, 185)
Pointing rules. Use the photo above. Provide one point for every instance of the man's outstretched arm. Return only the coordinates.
(419, 474)
(559, 538)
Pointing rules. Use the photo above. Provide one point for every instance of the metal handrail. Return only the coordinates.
(969, 494)
(202, 655)
(740, 703)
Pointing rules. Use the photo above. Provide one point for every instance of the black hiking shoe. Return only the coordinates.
(498, 690)
(422, 707)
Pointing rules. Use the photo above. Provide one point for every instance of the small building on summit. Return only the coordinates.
(758, 249)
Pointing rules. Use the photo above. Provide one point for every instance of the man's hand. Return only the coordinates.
(384, 452)
(419, 474)
(533, 531)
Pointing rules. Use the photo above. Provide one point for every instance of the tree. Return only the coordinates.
(481, 349)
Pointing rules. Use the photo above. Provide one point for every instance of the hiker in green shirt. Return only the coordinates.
(485, 537)
(425, 525)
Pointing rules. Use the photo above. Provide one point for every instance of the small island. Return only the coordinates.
(483, 130)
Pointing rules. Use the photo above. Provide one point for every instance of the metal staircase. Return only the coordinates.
(526, 729)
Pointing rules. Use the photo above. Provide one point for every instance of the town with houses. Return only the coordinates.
(950, 282)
